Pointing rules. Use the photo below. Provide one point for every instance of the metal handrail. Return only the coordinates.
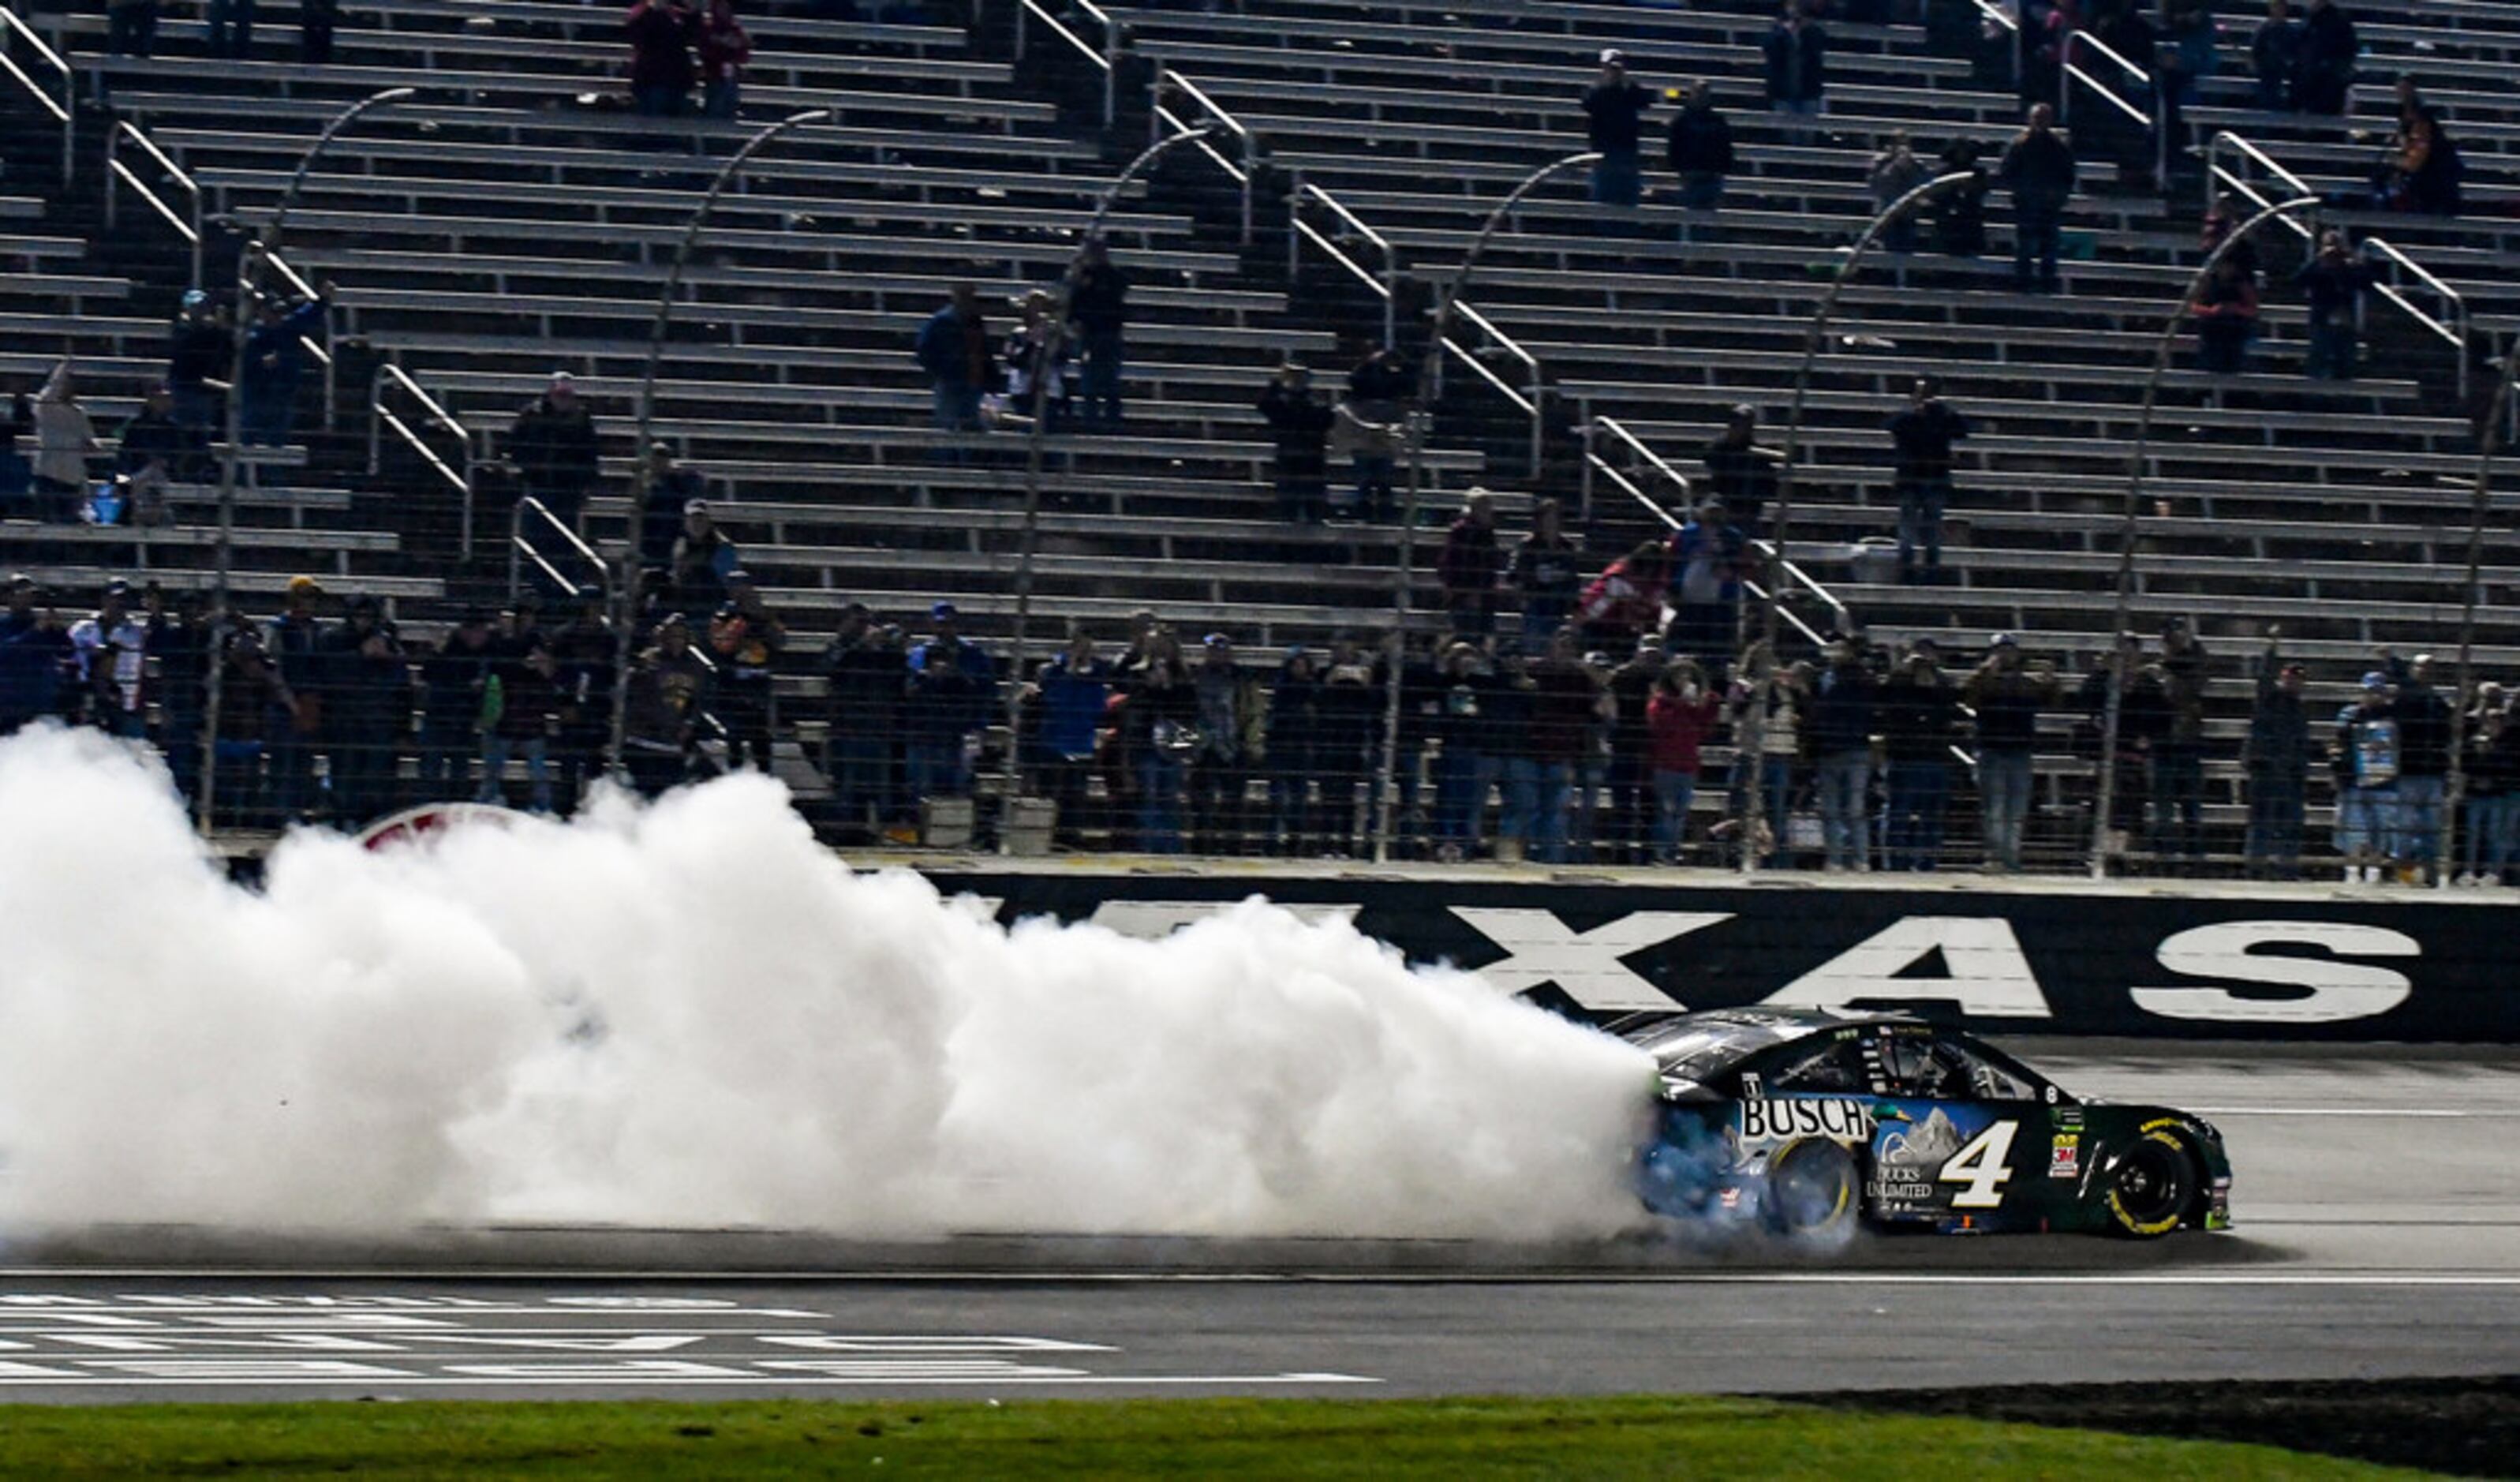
(2454, 325)
(1385, 285)
(2242, 185)
(1159, 116)
(64, 109)
(2149, 119)
(188, 227)
(380, 417)
(1531, 404)
(522, 550)
(1108, 59)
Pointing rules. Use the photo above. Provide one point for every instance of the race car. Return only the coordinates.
(1811, 1122)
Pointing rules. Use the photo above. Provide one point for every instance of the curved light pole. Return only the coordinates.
(625, 588)
(2489, 444)
(1749, 749)
(1420, 416)
(2132, 518)
(256, 252)
(1048, 352)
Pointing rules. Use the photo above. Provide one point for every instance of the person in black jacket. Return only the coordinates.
(1796, 54)
(1466, 764)
(1701, 150)
(2038, 167)
(1098, 304)
(2333, 282)
(1612, 108)
(551, 446)
(2275, 759)
(2492, 789)
(1300, 423)
(1959, 211)
(198, 350)
(1921, 436)
(2425, 735)
(1293, 743)
(868, 679)
(1919, 719)
(1838, 728)
(366, 685)
(2324, 64)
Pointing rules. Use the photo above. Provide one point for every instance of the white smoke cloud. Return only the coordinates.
(691, 1014)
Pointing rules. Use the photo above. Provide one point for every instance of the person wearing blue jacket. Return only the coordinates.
(1075, 690)
(275, 358)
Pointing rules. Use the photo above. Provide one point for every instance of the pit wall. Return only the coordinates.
(2279, 964)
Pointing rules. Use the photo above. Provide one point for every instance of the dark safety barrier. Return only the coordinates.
(2037, 962)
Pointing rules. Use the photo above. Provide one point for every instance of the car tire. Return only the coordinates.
(2150, 1186)
(1811, 1189)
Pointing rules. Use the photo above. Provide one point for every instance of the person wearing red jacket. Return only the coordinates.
(1677, 718)
(723, 47)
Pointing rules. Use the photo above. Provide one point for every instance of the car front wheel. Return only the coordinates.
(2151, 1187)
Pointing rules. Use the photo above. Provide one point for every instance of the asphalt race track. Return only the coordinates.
(2378, 1197)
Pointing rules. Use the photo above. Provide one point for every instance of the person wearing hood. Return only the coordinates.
(65, 436)
(1700, 149)
(551, 446)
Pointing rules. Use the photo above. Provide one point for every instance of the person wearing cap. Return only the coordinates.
(1471, 568)
(951, 697)
(704, 558)
(1740, 471)
(745, 639)
(2427, 731)
(552, 447)
(2275, 760)
(1299, 423)
(1796, 56)
(668, 695)
(1613, 106)
(1228, 744)
(110, 648)
(1098, 301)
(2364, 756)
(367, 711)
(65, 438)
(1922, 435)
(453, 676)
(198, 347)
(2007, 696)
(954, 350)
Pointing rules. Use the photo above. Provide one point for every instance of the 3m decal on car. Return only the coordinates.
(2065, 1157)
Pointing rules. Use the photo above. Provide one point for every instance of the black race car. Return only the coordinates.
(1808, 1122)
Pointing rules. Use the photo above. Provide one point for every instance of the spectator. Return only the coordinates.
(1075, 690)
(1159, 730)
(197, 348)
(867, 675)
(2425, 173)
(1098, 300)
(1630, 775)
(2275, 760)
(2225, 311)
(275, 359)
(1293, 736)
(664, 504)
(587, 650)
(1350, 729)
(1769, 699)
(1796, 54)
(1374, 419)
(2144, 721)
(65, 436)
(1920, 720)
(1710, 557)
(34, 656)
(723, 47)
(2178, 755)
(2038, 167)
(2222, 220)
(668, 694)
(230, 35)
(552, 445)
(949, 701)
(1922, 437)
(1546, 572)
(175, 642)
(1540, 774)
(703, 564)
(1680, 716)
(1625, 601)
(1028, 350)
(1839, 725)
(1743, 474)
(662, 73)
(954, 351)
(746, 641)
(1612, 108)
(2334, 283)
(1700, 151)
(1371, 447)
(453, 679)
(1466, 763)
(2364, 756)
(153, 436)
(2324, 66)
(315, 22)
(1471, 568)
(1300, 423)
(254, 701)
(2491, 774)
(2188, 26)
(293, 646)
(130, 27)
(2274, 53)
(1960, 212)
(1228, 727)
(367, 712)
(2007, 697)
(1896, 171)
(2426, 729)
(110, 650)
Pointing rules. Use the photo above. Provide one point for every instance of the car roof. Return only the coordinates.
(1723, 1036)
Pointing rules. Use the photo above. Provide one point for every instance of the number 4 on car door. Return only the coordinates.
(1981, 1166)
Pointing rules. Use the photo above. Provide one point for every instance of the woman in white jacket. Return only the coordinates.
(65, 436)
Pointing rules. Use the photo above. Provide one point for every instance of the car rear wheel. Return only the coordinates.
(2151, 1187)
(1811, 1189)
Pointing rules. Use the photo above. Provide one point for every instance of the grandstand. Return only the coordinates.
(515, 218)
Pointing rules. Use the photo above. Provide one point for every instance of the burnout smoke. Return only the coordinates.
(691, 1014)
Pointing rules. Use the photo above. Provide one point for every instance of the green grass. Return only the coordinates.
(1204, 1438)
